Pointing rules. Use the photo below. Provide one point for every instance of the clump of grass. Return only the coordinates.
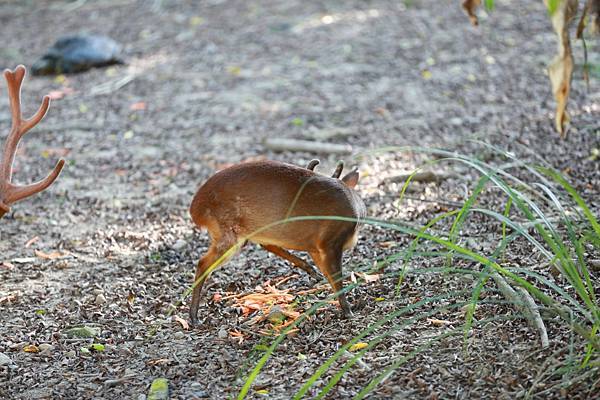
(549, 215)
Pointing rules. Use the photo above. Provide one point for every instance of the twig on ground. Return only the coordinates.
(281, 144)
(437, 201)
(113, 85)
(422, 176)
(524, 304)
(535, 314)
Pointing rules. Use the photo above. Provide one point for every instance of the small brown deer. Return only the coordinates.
(250, 201)
(9, 192)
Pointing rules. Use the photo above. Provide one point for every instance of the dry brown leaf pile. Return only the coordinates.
(269, 304)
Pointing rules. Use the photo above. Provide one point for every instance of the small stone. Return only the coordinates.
(71, 354)
(456, 121)
(276, 315)
(97, 291)
(179, 335)
(222, 334)
(46, 348)
(5, 360)
(112, 382)
(100, 299)
(196, 389)
(124, 351)
(179, 244)
(82, 332)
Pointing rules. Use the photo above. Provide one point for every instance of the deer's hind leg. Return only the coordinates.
(329, 262)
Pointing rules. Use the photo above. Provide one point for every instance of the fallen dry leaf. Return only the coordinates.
(237, 335)
(59, 94)
(139, 106)
(560, 70)
(6, 265)
(56, 151)
(131, 299)
(369, 277)
(263, 301)
(159, 361)
(184, 324)
(51, 256)
(358, 346)
(8, 299)
(31, 241)
(285, 279)
(31, 348)
(438, 322)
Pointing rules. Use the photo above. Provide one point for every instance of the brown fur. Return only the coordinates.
(246, 201)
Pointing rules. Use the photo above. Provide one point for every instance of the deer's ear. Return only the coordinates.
(351, 179)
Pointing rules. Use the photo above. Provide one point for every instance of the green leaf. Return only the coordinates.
(97, 347)
(553, 6)
(489, 5)
(159, 390)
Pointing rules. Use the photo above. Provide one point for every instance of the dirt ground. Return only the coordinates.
(204, 85)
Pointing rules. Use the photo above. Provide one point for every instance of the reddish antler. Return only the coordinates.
(10, 193)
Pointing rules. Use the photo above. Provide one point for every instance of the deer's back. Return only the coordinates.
(251, 198)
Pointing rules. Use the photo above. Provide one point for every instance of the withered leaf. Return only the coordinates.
(470, 7)
(561, 68)
(184, 324)
(358, 346)
(51, 256)
(31, 348)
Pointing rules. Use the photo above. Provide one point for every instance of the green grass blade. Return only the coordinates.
(390, 370)
(325, 366)
(413, 245)
(576, 197)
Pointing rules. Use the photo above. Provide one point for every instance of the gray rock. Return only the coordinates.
(179, 244)
(100, 299)
(5, 360)
(222, 334)
(46, 348)
(179, 335)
